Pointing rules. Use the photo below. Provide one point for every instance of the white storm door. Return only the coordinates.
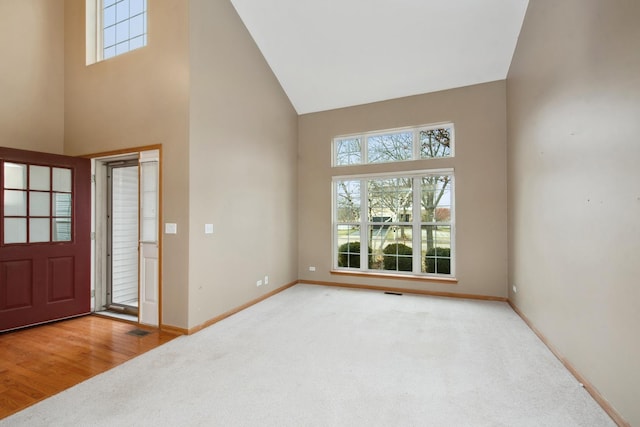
(149, 247)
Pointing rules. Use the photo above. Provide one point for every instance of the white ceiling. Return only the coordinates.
(336, 53)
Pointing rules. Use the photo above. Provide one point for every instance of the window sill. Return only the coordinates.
(412, 277)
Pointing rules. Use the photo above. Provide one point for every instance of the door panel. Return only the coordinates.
(149, 245)
(19, 290)
(44, 237)
(61, 281)
(149, 302)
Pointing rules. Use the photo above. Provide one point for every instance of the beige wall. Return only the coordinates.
(137, 99)
(574, 195)
(242, 167)
(32, 75)
(478, 113)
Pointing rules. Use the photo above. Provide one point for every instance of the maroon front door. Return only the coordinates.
(45, 226)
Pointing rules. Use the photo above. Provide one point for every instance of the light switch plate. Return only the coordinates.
(171, 228)
(208, 229)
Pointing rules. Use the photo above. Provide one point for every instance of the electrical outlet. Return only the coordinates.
(259, 283)
(312, 268)
(515, 289)
(266, 280)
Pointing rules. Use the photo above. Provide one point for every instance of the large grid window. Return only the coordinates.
(423, 142)
(406, 220)
(37, 202)
(124, 26)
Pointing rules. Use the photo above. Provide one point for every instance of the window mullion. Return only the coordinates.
(364, 150)
(416, 225)
(452, 225)
(334, 223)
(364, 225)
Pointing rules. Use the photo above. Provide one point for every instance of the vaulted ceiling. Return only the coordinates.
(336, 53)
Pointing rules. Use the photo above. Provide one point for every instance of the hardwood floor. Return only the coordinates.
(38, 362)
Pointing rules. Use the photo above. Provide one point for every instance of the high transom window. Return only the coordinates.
(124, 26)
(395, 223)
(423, 142)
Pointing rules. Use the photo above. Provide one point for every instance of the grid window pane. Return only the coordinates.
(62, 180)
(348, 201)
(348, 152)
(61, 228)
(122, 10)
(38, 230)
(109, 36)
(39, 204)
(349, 246)
(39, 177)
(137, 6)
(136, 43)
(15, 203)
(109, 16)
(122, 32)
(436, 249)
(15, 176)
(122, 48)
(390, 199)
(15, 230)
(136, 26)
(436, 198)
(392, 147)
(397, 255)
(435, 143)
(61, 205)
(109, 52)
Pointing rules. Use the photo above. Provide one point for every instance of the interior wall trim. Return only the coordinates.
(122, 151)
(591, 389)
(193, 330)
(174, 329)
(410, 277)
(233, 311)
(405, 290)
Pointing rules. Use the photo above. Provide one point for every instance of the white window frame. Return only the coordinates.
(416, 222)
(415, 155)
(94, 11)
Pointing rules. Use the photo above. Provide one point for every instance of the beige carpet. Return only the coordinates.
(319, 356)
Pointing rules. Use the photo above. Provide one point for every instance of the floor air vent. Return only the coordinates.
(393, 293)
(138, 332)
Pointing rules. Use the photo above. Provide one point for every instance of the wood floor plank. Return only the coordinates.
(38, 362)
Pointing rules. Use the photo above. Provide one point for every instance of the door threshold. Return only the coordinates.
(120, 316)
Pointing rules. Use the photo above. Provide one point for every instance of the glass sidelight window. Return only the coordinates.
(37, 202)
